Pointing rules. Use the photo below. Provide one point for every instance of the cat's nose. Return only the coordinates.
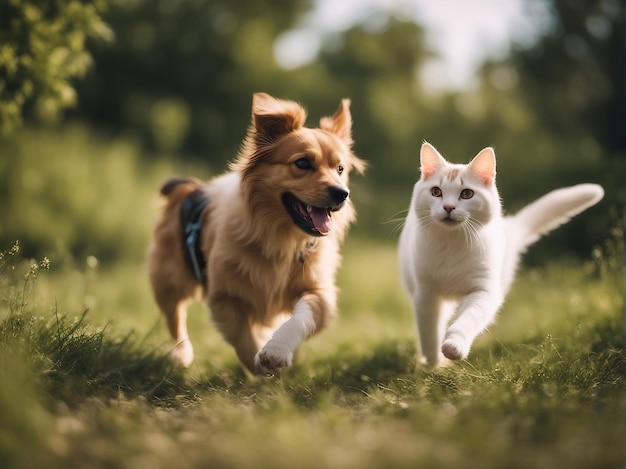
(449, 208)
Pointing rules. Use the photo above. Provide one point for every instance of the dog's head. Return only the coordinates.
(302, 170)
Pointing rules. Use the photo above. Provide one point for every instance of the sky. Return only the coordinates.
(463, 32)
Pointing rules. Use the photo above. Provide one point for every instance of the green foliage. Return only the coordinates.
(559, 100)
(572, 75)
(76, 195)
(179, 76)
(42, 48)
(203, 60)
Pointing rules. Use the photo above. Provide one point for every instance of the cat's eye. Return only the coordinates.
(436, 192)
(303, 163)
(467, 194)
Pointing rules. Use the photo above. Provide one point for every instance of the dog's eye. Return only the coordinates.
(340, 169)
(303, 163)
(436, 192)
(467, 194)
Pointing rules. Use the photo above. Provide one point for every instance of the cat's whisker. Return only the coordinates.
(401, 215)
(426, 220)
(468, 235)
(396, 229)
(471, 228)
(399, 218)
(424, 216)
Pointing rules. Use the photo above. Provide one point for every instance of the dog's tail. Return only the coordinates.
(186, 202)
(174, 184)
(177, 189)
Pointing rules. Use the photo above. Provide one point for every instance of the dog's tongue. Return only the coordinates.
(321, 219)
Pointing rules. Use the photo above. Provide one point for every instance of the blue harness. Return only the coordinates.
(191, 222)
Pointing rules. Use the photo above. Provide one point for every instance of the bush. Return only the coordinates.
(71, 193)
(42, 47)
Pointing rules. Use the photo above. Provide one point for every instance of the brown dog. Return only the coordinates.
(270, 236)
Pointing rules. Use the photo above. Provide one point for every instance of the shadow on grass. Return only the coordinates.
(74, 362)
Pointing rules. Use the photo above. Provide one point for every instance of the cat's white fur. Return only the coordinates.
(458, 253)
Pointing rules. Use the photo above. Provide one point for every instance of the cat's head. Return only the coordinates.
(456, 196)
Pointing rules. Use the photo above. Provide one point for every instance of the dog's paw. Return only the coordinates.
(182, 353)
(273, 357)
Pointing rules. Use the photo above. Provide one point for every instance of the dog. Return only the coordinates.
(261, 242)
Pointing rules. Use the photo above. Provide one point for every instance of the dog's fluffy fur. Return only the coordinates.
(270, 236)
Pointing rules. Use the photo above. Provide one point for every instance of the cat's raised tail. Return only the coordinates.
(551, 211)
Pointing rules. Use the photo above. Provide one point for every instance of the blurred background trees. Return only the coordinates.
(169, 88)
(42, 47)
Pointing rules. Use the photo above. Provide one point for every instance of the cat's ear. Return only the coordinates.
(484, 166)
(430, 160)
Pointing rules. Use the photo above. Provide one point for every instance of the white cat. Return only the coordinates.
(458, 253)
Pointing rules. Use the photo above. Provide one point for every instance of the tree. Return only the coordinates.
(575, 76)
(42, 48)
(572, 82)
(180, 75)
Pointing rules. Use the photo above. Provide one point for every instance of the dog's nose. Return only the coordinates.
(338, 194)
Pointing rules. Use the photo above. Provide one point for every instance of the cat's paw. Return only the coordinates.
(182, 353)
(433, 363)
(273, 357)
(455, 348)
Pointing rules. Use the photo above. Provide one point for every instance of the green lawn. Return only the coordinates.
(543, 388)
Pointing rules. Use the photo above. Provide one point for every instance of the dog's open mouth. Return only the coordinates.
(316, 221)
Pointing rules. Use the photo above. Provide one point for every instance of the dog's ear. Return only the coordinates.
(340, 123)
(272, 118)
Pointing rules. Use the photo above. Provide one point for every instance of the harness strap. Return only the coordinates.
(190, 220)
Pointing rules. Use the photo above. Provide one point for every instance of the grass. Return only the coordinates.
(84, 381)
